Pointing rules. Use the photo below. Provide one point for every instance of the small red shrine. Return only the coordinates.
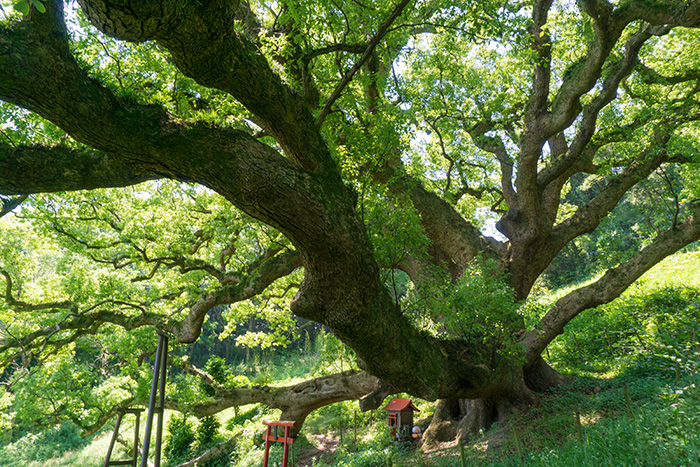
(401, 415)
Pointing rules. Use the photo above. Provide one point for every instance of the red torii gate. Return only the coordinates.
(286, 439)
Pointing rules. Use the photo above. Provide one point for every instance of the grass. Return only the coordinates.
(91, 455)
(662, 431)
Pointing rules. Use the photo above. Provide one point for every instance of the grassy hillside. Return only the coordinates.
(635, 399)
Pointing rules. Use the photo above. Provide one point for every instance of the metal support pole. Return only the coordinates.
(161, 399)
(134, 457)
(162, 340)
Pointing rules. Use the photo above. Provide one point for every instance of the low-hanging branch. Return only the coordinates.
(296, 401)
(83, 323)
(238, 288)
(255, 280)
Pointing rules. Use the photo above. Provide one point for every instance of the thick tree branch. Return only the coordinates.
(618, 72)
(315, 211)
(651, 76)
(456, 239)
(495, 146)
(587, 217)
(532, 256)
(579, 79)
(206, 47)
(35, 169)
(542, 46)
(531, 220)
(608, 24)
(142, 141)
(660, 12)
(296, 402)
(535, 117)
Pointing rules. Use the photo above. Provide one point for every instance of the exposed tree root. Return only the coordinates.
(457, 420)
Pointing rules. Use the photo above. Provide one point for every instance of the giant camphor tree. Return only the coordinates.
(372, 137)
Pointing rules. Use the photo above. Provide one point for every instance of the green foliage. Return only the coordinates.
(238, 381)
(655, 333)
(216, 368)
(653, 205)
(249, 429)
(394, 227)
(266, 321)
(242, 417)
(334, 355)
(23, 6)
(185, 440)
(152, 248)
(180, 440)
(207, 431)
(159, 243)
(479, 307)
(366, 458)
(39, 447)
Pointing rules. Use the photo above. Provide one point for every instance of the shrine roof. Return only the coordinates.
(400, 404)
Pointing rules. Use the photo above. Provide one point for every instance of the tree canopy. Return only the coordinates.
(342, 160)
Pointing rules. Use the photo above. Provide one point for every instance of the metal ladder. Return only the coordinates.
(132, 461)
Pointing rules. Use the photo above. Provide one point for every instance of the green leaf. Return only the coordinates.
(22, 6)
(38, 5)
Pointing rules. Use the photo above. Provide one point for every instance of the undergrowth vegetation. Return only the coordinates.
(635, 399)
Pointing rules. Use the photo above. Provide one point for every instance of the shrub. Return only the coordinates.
(207, 431)
(179, 441)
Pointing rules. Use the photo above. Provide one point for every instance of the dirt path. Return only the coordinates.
(324, 447)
